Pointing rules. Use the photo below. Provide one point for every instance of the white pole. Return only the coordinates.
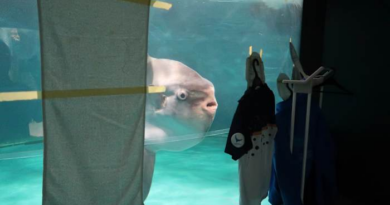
(292, 121)
(305, 145)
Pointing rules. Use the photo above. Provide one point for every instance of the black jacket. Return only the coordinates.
(256, 109)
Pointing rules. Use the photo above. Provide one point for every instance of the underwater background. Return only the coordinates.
(210, 36)
(213, 38)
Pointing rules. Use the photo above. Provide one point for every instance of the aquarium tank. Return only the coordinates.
(197, 50)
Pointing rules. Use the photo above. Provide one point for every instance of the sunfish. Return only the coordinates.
(179, 118)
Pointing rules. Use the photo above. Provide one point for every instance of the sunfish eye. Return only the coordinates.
(182, 95)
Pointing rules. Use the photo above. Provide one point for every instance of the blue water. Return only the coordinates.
(198, 176)
(213, 38)
(21, 169)
(210, 36)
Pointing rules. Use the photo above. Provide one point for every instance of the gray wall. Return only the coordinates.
(357, 45)
(356, 42)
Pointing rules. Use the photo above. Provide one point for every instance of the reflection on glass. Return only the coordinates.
(21, 161)
(19, 71)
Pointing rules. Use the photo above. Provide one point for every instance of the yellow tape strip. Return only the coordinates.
(156, 89)
(18, 96)
(261, 53)
(36, 95)
(250, 50)
(161, 5)
(155, 4)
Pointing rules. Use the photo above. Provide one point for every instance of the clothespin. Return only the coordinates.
(259, 67)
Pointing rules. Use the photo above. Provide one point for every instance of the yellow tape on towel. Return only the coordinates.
(36, 95)
(155, 4)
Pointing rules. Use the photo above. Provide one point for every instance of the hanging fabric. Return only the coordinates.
(287, 167)
(252, 133)
(256, 110)
(94, 75)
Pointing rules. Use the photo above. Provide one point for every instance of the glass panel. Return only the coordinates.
(207, 37)
(21, 148)
(20, 73)
(211, 38)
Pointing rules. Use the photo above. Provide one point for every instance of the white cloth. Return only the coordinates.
(255, 168)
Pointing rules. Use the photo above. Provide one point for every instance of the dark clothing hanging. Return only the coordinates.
(256, 109)
(286, 177)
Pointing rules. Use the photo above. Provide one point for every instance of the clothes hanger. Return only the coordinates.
(255, 78)
(332, 81)
(257, 82)
(318, 78)
(324, 78)
(304, 85)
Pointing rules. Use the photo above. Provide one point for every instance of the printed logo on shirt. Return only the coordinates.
(238, 140)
